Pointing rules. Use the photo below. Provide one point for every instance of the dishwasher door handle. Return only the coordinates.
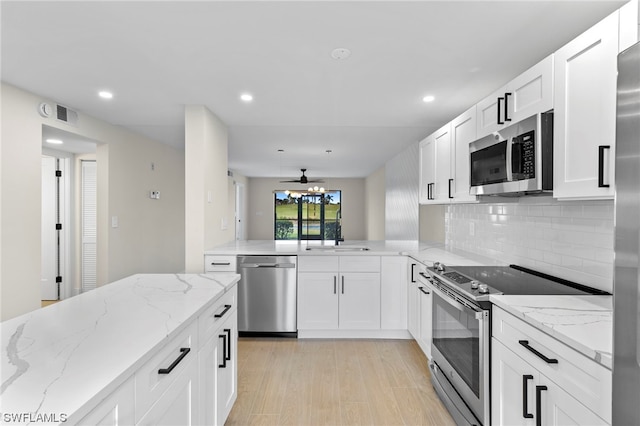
(268, 265)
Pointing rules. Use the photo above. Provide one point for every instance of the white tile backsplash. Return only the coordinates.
(568, 239)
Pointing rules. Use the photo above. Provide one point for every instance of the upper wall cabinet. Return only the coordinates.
(529, 93)
(585, 113)
(444, 162)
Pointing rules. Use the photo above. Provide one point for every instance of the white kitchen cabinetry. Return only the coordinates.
(528, 94)
(217, 357)
(435, 159)
(413, 301)
(117, 409)
(219, 263)
(427, 169)
(539, 380)
(585, 113)
(338, 293)
(393, 292)
(463, 132)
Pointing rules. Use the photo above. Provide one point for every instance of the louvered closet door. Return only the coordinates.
(89, 225)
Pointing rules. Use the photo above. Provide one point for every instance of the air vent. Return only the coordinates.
(65, 114)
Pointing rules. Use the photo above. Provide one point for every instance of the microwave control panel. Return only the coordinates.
(524, 162)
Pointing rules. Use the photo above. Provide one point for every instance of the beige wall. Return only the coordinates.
(151, 232)
(260, 206)
(432, 223)
(207, 193)
(375, 205)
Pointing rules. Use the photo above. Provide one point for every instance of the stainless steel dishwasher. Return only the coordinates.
(267, 296)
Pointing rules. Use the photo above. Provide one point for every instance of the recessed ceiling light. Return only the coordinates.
(54, 141)
(246, 97)
(105, 95)
(428, 98)
(340, 53)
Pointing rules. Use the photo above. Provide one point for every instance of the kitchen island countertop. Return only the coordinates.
(65, 358)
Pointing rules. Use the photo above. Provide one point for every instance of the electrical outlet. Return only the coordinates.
(154, 195)
(114, 221)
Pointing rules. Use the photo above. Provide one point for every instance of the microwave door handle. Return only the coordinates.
(509, 158)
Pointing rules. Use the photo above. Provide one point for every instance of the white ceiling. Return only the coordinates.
(157, 57)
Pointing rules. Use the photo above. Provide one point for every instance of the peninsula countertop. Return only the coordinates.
(66, 357)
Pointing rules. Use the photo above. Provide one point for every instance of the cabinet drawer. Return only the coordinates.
(215, 263)
(583, 378)
(360, 264)
(150, 384)
(317, 263)
(216, 314)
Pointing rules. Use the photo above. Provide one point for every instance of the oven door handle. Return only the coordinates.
(459, 306)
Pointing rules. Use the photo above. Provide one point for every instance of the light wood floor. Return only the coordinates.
(334, 382)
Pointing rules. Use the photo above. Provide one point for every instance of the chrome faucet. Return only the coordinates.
(338, 229)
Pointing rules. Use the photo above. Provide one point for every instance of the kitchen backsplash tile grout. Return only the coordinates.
(569, 239)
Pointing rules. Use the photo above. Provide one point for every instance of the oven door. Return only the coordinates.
(460, 350)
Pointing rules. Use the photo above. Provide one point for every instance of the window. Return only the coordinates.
(306, 216)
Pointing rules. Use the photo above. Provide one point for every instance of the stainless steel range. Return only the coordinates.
(460, 363)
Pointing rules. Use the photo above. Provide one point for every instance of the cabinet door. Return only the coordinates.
(487, 110)
(227, 356)
(359, 306)
(440, 191)
(559, 408)
(531, 92)
(512, 387)
(317, 301)
(463, 132)
(413, 300)
(116, 409)
(208, 363)
(426, 321)
(585, 113)
(393, 293)
(427, 169)
(179, 404)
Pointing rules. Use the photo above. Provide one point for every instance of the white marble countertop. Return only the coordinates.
(584, 323)
(66, 357)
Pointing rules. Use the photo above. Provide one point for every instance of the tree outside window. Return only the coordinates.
(306, 215)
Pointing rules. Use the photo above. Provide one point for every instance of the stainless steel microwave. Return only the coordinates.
(515, 160)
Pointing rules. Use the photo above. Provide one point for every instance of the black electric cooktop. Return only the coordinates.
(511, 280)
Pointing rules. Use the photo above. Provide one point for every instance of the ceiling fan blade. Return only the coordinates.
(285, 181)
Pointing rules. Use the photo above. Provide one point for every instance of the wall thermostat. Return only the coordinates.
(44, 109)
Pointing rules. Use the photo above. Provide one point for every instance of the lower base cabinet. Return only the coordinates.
(115, 410)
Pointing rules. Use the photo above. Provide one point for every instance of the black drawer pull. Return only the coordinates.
(228, 352)
(525, 343)
(499, 116)
(335, 279)
(423, 290)
(173, 365)
(601, 149)
(221, 314)
(525, 397)
(506, 107)
(539, 390)
(224, 350)
(450, 182)
(220, 263)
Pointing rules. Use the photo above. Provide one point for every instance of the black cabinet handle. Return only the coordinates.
(428, 191)
(335, 283)
(423, 290)
(224, 350)
(227, 355)
(601, 149)
(506, 107)
(184, 352)
(525, 343)
(539, 390)
(413, 269)
(450, 182)
(221, 314)
(220, 263)
(500, 116)
(525, 397)
(343, 284)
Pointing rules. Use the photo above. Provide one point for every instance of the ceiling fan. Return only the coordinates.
(303, 178)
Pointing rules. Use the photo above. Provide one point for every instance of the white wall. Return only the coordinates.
(260, 206)
(375, 199)
(401, 182)
(207, 192)
(151, 233)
